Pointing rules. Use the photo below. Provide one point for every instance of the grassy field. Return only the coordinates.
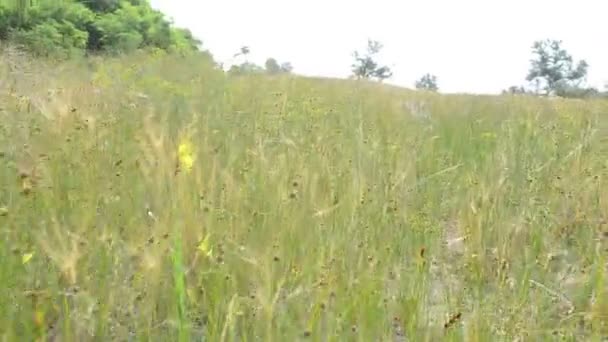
(153, 198)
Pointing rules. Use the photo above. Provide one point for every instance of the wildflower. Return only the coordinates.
(27, 257)
(39, 318)
(185, 156)
(203, 246)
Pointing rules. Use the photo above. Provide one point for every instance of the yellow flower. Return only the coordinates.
(27, 257)
(186, 156)
(203, 246)
(39, 318)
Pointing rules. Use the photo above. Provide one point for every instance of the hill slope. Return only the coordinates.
(153, 196)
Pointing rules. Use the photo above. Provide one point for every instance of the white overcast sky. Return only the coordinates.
(478, 46)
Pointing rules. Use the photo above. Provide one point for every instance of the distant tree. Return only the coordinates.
(383, 73)
(572, 91)
(242, 54)
(427, 82)
(552, 68)
(272, 66)
(245, 68)
(515, 90)
(366, 66)
(286, 67)
(243, 51)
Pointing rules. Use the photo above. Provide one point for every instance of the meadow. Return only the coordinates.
(152, 197)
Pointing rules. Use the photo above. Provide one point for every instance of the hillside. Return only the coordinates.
(152, 196)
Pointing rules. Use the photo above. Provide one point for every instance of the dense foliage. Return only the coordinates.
(75, 27)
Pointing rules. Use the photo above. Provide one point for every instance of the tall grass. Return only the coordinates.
(315, 209)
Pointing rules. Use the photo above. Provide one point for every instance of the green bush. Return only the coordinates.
(65, 29)
(53, 39)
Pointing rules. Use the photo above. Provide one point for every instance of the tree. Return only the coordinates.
(577, 92)
(272, 66)
(53, 29)
(515, 90)
(65, 28)
(103, 6)
(244, 51)
(365, 65)
(286, 67)
(552, 68)
(382, 73)
(245, 68)
(120, 31)
(427, 82)
(53, 39)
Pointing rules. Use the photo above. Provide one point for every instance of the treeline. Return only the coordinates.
(68, 28)
(552, 72)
